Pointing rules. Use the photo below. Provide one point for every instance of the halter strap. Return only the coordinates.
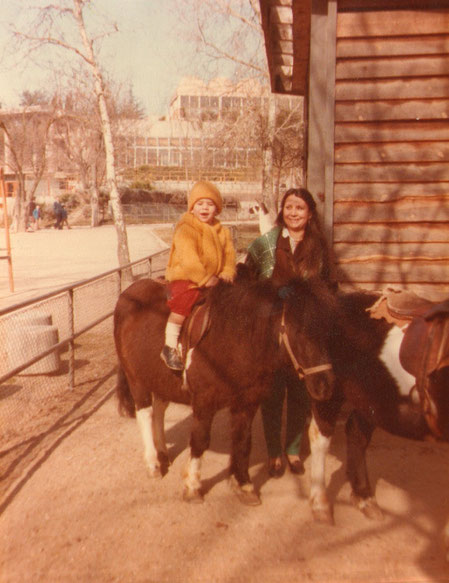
(300, 370)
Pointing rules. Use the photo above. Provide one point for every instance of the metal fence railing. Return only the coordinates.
(34, 332)
(166, 213)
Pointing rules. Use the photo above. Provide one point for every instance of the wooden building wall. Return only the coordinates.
(391, 149)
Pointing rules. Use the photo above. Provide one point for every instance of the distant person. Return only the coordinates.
(64, 220)
(37, 217)
(201, 254)
(58, 212)
(29, 215)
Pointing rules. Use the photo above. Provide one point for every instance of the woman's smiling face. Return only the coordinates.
(295, 213)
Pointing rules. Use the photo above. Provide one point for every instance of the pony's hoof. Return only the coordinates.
(368, 507)
(163, 458)
(323, 516)
(154, 472)
(246, 493)
(192, 496)
(164, 462)
(322, 511)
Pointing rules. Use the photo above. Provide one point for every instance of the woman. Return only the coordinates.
(295, 247)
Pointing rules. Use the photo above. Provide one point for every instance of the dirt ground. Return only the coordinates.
(76, 503)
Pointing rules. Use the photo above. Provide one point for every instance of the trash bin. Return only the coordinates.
(28, 335)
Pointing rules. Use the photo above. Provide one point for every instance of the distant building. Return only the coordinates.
(197, 139)
(187, 140)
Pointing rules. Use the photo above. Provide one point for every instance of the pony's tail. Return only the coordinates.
(126, 406)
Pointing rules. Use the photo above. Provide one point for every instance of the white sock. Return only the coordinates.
(172, 332)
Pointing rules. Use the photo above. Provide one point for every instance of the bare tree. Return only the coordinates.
(26, 135)
(229, 34)
(50, 29)
(79, 138)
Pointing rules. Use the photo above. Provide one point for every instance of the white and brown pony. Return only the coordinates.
(254, 330)
(387, 378)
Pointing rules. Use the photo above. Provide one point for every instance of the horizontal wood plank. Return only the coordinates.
(409, 88)
(401, 67)
(391, 172)
(390, 191)
(416, 109)
(399, 232)
(402, 271)
(391, 131)
(436, 292)
(390, 212)
(394, 152)
(422, 251)
(392, 46)
(392, 23)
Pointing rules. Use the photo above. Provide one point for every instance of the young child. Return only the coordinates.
(202, 253)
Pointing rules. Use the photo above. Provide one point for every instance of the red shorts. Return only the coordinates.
(182, 296)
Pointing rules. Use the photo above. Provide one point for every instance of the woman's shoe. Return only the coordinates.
(296, 466)
(275, 467)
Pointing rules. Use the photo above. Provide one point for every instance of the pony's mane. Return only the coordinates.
(314, 305)
(247, 309)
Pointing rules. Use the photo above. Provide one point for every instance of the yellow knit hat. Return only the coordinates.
(204, 189)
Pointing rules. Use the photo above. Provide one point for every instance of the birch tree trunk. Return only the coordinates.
(111, 180)
(94, 200)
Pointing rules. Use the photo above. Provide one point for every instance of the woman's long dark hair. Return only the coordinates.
(315, 260)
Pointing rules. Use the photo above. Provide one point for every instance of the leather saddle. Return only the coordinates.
(425, 346)
(195, 326)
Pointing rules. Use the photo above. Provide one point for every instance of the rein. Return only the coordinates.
(300, 370)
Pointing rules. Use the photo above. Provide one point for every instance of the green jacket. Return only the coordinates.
(262, 253)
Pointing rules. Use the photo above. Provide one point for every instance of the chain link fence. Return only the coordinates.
(43, 341)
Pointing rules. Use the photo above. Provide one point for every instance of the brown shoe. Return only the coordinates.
(296, 466)
(171, 358)
(275, 467)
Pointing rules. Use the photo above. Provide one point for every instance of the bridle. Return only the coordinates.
(300, 370)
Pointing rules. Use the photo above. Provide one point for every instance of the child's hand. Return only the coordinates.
(227, 278)
(212, 281)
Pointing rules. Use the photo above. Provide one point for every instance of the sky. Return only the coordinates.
(147, 52)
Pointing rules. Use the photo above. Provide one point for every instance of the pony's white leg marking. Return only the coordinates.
(159, 408)
(390, 357)
(185, 383)
(319, 447)
(144, 421)
(192, 480)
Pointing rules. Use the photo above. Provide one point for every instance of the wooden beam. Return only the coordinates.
(320, 155)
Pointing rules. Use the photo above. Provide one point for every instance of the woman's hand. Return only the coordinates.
(212, 281)
(227, 278)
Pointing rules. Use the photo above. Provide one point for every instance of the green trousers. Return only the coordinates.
(289, 386)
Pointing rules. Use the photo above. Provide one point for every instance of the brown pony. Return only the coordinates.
(255, 329)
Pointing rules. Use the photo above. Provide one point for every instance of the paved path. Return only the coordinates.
(49, 258)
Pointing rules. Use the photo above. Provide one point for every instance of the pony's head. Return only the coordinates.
(309, 309)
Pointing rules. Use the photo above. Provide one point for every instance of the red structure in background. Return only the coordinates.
(7, 256)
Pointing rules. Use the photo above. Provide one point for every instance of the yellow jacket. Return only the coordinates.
(199, 251)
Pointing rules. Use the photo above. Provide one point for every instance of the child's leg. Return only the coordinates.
(173, 329)
(170, 354)
(182, 296)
